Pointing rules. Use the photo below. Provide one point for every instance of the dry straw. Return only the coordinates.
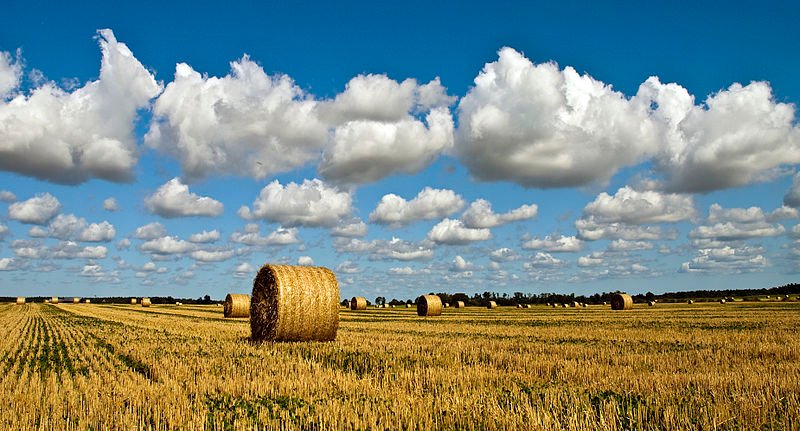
(491, 305)
(76, 300)
(358, 303)
(575, 304)
(691, 301)
(133, 301)
(408, 305)
(54, 300)
(294, 303)
(429, 305)
(526, 306)
(20, 300)
(145, 302)
(519, 305)
(460, 304)
(722, 301)
(236, 305)
(651, 303)
(621, 301)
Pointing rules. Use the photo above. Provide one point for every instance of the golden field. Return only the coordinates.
(683, 367)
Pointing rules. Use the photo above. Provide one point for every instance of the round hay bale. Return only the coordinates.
(54, 300)
(358, 303)
(621, 301)
(722, 301)
(236, 305)
(651, 303)
(87, 301)
(145, 302)
(20, 300)
(76, 300)
(519, 305)
(691, 301)
(408, 305)
(526, 306)
(447, 305)
(565, 305)
(133, 301)
(294, 303)
(429, 305)
(179, 304)
(460, 304)
(491, 305)
(575, 304)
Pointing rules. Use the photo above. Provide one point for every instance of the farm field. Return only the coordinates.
(702, 366)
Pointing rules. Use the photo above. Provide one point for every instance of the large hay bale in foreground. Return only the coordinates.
(491, 305)
(54, 300)
(621, 301)
(20, 300)
(294, 303)
(236, 305)
(358, 303)
(429, 305)
(145, 302)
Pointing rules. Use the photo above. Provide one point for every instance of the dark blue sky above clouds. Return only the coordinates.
(506, 174)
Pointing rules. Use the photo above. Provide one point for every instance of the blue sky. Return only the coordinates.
(411, 148)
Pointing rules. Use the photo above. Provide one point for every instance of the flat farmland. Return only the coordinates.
(702, 366)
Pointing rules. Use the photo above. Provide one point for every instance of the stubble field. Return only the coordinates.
(702, 366)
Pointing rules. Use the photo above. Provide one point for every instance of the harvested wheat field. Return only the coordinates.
(673, 367)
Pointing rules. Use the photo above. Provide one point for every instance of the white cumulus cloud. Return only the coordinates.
(429, 204)
(480, 215)
(312, 203)
(305, 261)
(553, 244)
(7, 196)
(71, 136)
(110, 204)
(150, 231)
(36, 210)
(173, 199)
(640, 207)
(204, 236)
(453, 232)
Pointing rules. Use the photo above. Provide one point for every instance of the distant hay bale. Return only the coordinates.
(236, 305)
(621, 301)
(548, 304)
(585, 305)
(491, 305)
(358, 303)
(20, 300)
(46, 301)
(133, 301)
(294, 303)
(429, 305)
(722, 301)
(691, 301)
(565, 305)
(76, 300)
(392, 305)
(145, 302)
(408, 305)
(87, 301)
(447, 305)
(460, 304)
(179, 304)
(575, 304)
(526, 306)
(54, 300)
(519, 305)
(651, 303)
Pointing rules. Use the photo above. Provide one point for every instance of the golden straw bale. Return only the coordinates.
(459, 304)
(408, 305)
(236, 305)
(133, 301)
(76, 300)
(491, 305)
(519, 305)
(526, 306)
(651, 303)
(20, 300)
(691, 301)
(54, 300)
(145, 302)
(87, 301)
(621, 301)
(575, 304)
(358, 303)
(722, 301)
(429, 305)
(294, 303)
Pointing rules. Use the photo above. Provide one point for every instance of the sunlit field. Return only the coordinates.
(702, 366)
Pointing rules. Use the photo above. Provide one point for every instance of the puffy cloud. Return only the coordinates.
(211, 255)
(167, 245)
(173, 199)
(110, 204)
(7, 196)
(10, 73)
(123, 244)
(347, 267)
(727, 259)
(504, 254)
(204, 236)
(591, 230)
(394, 249)
(279, 237)
(735, 137)
(243, 270)
(640, 207)
(70, 227)
(71, 250)
(350, 229)
(429, 204)
(460, 265)
(404, 270)
(480, 215)
(69, 137)
(542, 260)
(7, 263)
(98, 232)
(150, 231)
(624, 245)
(554, 244)
(540, 126)
(376, 132)
(312, 203)
(246, 122)
(3, 231)
(36, 210)
(305, 261)
(453, 232)
(97, 274)
(731, 224)
(594, 259)
(792, 197)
